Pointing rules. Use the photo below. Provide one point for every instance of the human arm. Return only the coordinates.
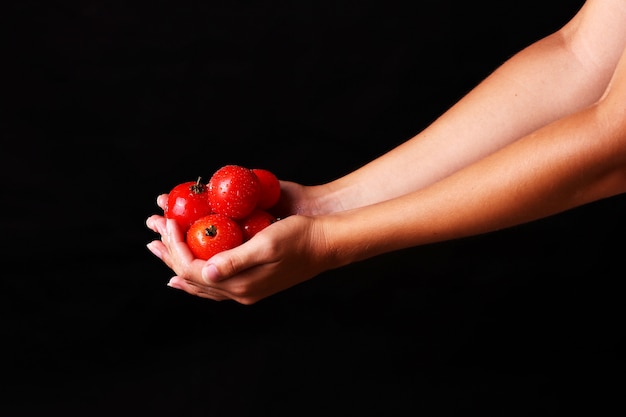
(573, 161)
(556, 76)
(542, 167)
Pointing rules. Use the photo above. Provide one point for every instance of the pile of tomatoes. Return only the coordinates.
(226, 211)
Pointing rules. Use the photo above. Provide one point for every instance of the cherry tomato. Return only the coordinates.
(270, 188)
(234, 191)
(187, 202)
(212, 234)
(255, 222)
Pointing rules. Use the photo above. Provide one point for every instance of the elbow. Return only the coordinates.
(611, 115)
(601, 154)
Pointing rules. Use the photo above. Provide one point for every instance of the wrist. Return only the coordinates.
(324, 199)
(350, 237)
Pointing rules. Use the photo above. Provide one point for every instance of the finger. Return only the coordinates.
(157, 248)
(172, 249)
(173, 231)
(180, 260)
(233, 261)
(162, 252)
(162, 201)
(196, 290)
(156, 223)
(174, 239)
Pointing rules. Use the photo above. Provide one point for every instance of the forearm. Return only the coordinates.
(540, 84)
(576, 160)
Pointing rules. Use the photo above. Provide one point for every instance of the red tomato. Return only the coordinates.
(187, 202)
(255, 222)
(234, 191)
(270, 188)
(212, 234)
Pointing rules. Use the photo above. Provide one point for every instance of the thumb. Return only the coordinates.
(210, 273)
(227, 263)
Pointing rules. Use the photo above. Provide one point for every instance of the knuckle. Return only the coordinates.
(240, 291)
(270, 247)
(246, 300)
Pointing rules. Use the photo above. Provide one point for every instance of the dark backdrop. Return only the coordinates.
(109, 103)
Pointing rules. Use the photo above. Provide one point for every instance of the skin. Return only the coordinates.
(544, 133)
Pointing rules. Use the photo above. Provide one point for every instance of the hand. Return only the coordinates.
(284, 254)
(306, 200)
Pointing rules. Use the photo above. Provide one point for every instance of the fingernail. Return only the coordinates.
(210, 274)
(154, 250)
(174, 284)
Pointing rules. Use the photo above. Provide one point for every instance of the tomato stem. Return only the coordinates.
(198, 187)
(211, 231)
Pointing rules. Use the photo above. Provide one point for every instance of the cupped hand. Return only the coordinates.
(284, 254)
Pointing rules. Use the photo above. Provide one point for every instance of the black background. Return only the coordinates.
(109, 103)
